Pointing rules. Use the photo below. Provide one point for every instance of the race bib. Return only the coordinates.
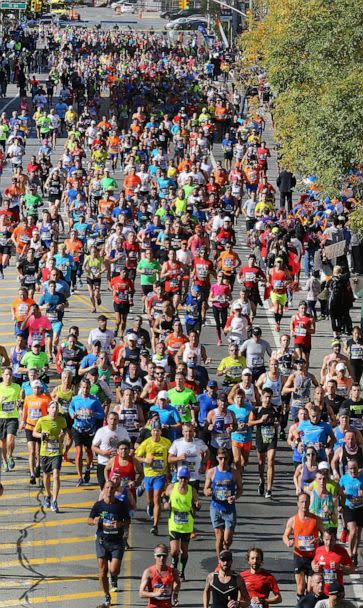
(181, 517)
(157, 464)
(356, 351)
(52, 446)
(278, 284)
(306, 543)
(8, 406)
(300, 331)
(250, 276)
(268, 434)
(34, 413)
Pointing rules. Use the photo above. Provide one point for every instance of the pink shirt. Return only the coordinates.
(222, 292)
(37, 328)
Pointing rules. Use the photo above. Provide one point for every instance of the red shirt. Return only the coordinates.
(122, 290)
(250, 275)
(260, 584)
(301, 324)
(203, 268)
(277, 278)
(330, 561)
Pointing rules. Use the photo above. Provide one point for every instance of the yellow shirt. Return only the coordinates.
(158, 451)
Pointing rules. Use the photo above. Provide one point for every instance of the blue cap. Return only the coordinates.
(196, 288)
(184, 472)
(213, 383)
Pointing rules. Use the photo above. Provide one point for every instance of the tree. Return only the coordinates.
(313, 52)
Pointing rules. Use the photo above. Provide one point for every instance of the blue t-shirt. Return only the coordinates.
(29, 391)
(314, 434)
(206, 404)
(169, 415)
(243, 435)
(88, 360)
(353, 489)
(87, 410)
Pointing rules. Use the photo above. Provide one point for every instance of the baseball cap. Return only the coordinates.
(132, 337)
(156, 425)
(36, 384)
(237, 306)
(257, 331)
(144, 352)
(163, 395)
(227, 219)
(336, 343)
(225, 556)
(35, 343)
(196, 288)
(335, 589)
(191, 365)
(343, 412)
(222, 396)
(323, 466)
(183, 472)
(212, 383)
(340, 367)
(102, 318)
(247, 372)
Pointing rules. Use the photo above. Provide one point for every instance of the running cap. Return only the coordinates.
(163, 395)
(227, 219)
(336, 343)
(184, 472)
(323, 466)
(237, 306)
(212, 384)
(35, 343)
(225, 556)
(257, 331)
(246, 372)
(36, 384)
(102, 318)
(132, 337)
(196, 288)
(222, 396)
(340, 367)
(156, 425)
(343, 412)
(335, 589)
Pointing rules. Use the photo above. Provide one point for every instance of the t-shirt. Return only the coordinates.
(232, 368)
(330, 562)
(32, 361)
(37, 328)
(109, 513)
(342, 604)
(353, 490)
(34, 408)
(158, 451)
(105, 439)
(21, 308)
(150, 270)
(9, 397)
(193, 451)
(51, 446)
(355, 412)
(183, 401)
(260, 584)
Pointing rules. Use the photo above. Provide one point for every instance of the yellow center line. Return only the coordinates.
(48, 542)
(51, 599)
(35, 493)
(43, 524)
(76, 505)
(57, 559)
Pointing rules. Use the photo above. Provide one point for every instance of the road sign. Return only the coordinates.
(14, 6)
(226, 14)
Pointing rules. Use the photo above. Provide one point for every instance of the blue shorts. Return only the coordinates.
(223, 519)
(154, 483)
(57, 327)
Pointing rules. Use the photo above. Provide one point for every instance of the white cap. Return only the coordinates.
(323, 466)
(237, 306)
(36, 384)
(260, 226)
(132, 337)
(163, 395)
(340, 367)
(247, 372)
(227, 219)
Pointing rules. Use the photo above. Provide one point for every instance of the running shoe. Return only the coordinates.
(80, 482)
(99, 301)
(355, 559)
(5, 467)
(219, 342)
(268, 494)
(140, 490)
(46, 502)
(261, 488)
(282, 436)
(87, 476)
(37, 471)
(11, 463)
(54, 506)
(32, 480)
(154, 531)
(150, 511)
(106, 603)
(113, 584)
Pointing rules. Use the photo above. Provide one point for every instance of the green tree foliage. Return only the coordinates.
(313, 53)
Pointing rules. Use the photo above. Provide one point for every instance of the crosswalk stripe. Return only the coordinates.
(35, 493)
(51, 599)
(22, 510)
(43, 561)
(43, 524)
(49, 542)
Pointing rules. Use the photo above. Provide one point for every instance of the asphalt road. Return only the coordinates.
(48, 559)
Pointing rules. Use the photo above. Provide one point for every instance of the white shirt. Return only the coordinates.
(193, 451)
(105, 439)
(105, 337)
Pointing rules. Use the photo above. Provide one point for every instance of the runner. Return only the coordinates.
(160, 583)
(261, 585)
(227, 588)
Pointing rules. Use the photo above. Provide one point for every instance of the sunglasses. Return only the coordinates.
(222, 457)
(161, 555)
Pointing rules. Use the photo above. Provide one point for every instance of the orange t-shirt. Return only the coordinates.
(227, 261)
(34, 408)
(74, 248)
(21, 308)
(130, 183)
(22, 237)
(113, 145)
(173, 343)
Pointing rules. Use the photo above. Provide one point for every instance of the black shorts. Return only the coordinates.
(122, 309)
(68, 420)
(185, 537)
(250, 223)
(5, 249)
(266, 447)
(93, 282)
(29, 436)
(204, 292)
(8, 426)
(305, 349)
(146, 289)
(108, 550)
(101, 475)
(51, 463)
(353, 515)
(82, 438)
(302, 564)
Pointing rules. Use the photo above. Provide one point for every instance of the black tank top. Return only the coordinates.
(346, 457)
(223, 592)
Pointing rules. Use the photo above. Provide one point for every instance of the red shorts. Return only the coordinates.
(245, 447)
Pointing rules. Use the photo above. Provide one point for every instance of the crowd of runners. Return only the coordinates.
(139, 401)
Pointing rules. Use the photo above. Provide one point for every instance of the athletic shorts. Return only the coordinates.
(68, 420)
(57, 327)
(280, 298)
(146, 289)
(245, 447)
(122, 309)
(154, 483)
(51, 463)
(8, 426)
(354, 515)
(222, 519)
(94, 282)
(29, 436)
(302, 564)
(183, 536)
(265, 447)
(81, 438)
(204, 292)
(305, 349)
(5, 249)
(109, 551)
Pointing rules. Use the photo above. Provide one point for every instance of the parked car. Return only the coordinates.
(187, 23)
(126, 7)
(185, 12)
